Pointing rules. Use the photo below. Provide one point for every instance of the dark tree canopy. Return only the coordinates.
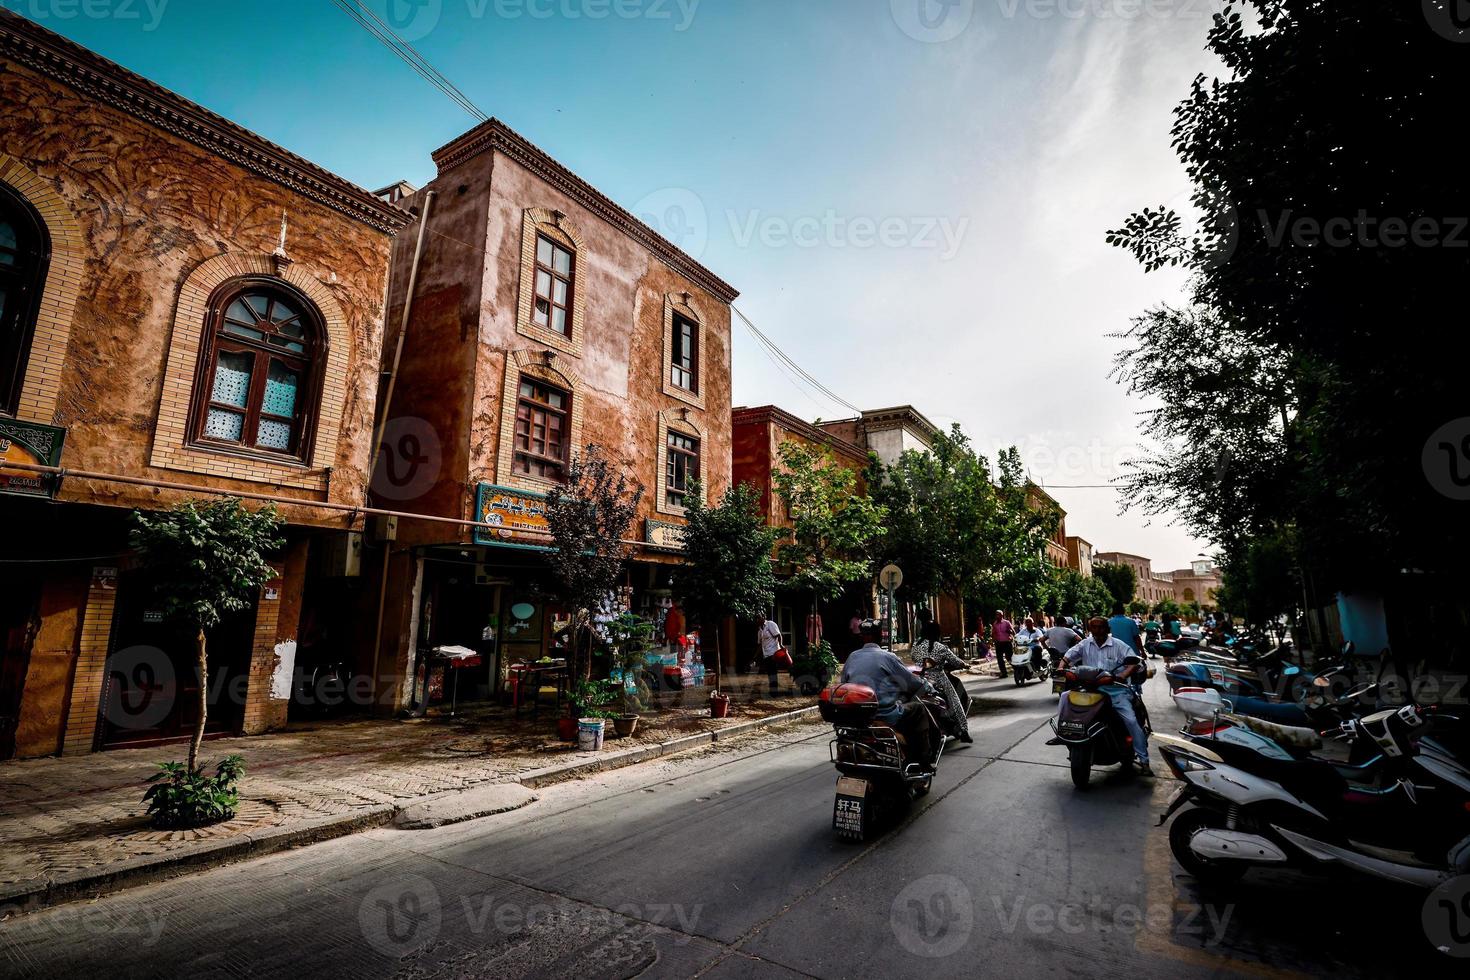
(1325, 341)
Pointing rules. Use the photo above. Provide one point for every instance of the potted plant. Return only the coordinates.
(814, 669)
(630, 638)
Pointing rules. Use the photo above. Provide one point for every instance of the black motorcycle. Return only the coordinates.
(1091, 728)
(878, 777)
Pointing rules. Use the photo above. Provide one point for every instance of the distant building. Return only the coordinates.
(886, 432)
(1056, 546)
(1198, 583)
(1079, 555)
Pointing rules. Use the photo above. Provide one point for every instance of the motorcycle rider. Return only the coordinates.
(1102, 649)
(1061, 638)
(897, 688)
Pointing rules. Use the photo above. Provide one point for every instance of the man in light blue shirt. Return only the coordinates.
(1102, 649)
(1125, 628)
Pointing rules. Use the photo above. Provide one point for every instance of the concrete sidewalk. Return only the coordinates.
(76, 826)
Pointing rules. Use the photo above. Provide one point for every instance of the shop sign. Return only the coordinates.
(508, 511)
(662, 534)
(33, 444)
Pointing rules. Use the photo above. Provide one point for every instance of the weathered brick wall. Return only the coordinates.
(621, 369)
(142, 211)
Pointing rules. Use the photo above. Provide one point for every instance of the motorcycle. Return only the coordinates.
(1090, 727)
(876, 779)
(1400, 815)
(1030, 662)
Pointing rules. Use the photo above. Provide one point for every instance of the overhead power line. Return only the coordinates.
(770, 346)
(374, 25)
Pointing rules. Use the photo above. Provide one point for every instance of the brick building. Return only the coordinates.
(543, 318)
(187, 309)
(1186, 586)
(758, 434)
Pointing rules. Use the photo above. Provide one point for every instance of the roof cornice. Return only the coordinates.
(55, 57)
(496, 135)
(899, 416)
(766, 414)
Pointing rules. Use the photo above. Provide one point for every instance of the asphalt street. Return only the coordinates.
(725, 865)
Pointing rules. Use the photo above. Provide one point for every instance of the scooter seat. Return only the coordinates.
(1288, 736)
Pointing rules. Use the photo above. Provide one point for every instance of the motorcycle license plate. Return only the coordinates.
(847, 811)
(1074, 726)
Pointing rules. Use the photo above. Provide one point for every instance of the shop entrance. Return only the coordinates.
(152, 687)
(22, 597)
(459, 610)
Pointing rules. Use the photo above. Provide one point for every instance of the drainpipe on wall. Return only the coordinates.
(413, 279)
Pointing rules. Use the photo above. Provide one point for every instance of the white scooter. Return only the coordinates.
(1398, 816)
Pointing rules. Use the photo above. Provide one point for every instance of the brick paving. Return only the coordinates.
(85, 813)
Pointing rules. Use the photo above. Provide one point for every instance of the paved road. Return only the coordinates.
(724, 866)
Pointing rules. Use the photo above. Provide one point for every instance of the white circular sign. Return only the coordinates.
(891, 577)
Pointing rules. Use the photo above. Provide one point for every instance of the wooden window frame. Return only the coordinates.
(678, 367)
(533, 405)
(28, 281)
(693, 468)
(309, 364)
(570, 279)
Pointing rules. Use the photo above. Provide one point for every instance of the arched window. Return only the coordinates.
(260, 370)
(25, 252)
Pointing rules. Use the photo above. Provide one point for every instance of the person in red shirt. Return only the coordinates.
(674, 628)
(1002, 633)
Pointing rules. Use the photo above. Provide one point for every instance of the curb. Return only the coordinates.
(33, 896)
(68, 887)
(538, 778)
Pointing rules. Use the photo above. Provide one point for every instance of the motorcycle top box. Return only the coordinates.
(849, 705)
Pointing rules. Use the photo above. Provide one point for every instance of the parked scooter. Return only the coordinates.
(877, 778)
(1031, 662)
(1090, 727)
(1401, 815)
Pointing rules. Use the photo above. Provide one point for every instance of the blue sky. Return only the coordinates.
(913, 207)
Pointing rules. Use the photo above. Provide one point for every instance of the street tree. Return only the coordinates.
(590, 517)
(834, 526)
(942, 517)
(727, 560)
(1121, 580)
(1324, 284)
(206, 562)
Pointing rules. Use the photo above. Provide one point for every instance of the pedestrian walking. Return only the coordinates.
(773, 652)
(1002, 633)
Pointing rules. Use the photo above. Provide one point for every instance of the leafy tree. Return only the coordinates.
(590, 517)
(1073, 594)
(727, 552)
(1259, 580)
(833, 525)
(207, 561)
(943, 517)
(1299, 370)
(1121, 580)
(1168, 607)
